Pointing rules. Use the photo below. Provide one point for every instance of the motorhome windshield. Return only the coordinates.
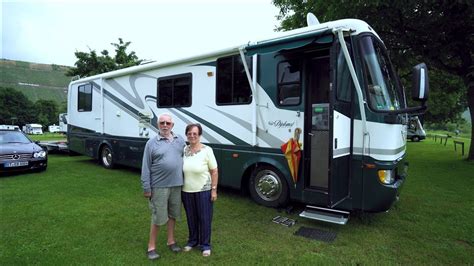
(382, 85)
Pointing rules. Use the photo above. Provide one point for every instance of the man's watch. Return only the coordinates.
(214, 187)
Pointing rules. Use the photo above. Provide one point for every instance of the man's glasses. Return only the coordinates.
(165, 123)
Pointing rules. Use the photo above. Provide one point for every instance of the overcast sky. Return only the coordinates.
(50, 31)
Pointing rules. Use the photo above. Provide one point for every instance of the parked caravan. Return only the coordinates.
(315, 115)
(63, 122)
(11, 127)
(415, 130)
(54, 128)
(33, 129)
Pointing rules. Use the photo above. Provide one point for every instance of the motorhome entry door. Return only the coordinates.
(328, 164)
(317, 90)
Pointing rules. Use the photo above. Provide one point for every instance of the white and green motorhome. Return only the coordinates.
(330, 85)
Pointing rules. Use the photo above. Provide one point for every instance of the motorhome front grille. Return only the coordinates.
(17, 156)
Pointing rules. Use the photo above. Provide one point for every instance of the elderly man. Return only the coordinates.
(162, 179)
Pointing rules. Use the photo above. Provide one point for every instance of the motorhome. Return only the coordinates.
(415, 132)
(33, 129)
(314, 115)
(63, 122)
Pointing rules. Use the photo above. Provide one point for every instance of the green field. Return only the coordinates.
(48, 136)
(79, 213)
(36, 81)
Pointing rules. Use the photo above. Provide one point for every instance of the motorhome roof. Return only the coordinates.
(356, 26)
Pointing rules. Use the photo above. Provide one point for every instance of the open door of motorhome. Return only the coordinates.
(328, 128)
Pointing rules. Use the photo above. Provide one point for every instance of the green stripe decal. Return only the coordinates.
(223, 133)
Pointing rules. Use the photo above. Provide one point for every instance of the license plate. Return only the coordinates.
(15, 164)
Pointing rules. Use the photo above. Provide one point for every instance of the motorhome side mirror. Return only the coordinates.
(420, 87)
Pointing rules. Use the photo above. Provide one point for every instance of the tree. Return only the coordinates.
(47, 112)
(15, 107)
(89, 64)
(437, 32)
(122, 59)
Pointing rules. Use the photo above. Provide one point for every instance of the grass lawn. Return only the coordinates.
(79, 213)
(47, 136)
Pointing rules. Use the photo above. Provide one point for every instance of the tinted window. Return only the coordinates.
(174, 91)
(232, 83)
(84, 98)
(344, 80)
(289, 82)
(7, 137)
(384, 92)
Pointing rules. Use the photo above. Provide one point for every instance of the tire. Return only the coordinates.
(415, 139)
(106, 157)
(268, 187)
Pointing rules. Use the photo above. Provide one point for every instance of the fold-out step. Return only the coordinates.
(325, 215)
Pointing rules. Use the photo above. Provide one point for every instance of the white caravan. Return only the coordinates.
(54, 128)
(33, 129)
(11, 127)
(315, 115)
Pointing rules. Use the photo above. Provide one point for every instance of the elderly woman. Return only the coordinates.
(199, 189)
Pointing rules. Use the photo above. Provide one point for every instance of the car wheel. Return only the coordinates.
(415, 139)
(268, 187)
(106, 157)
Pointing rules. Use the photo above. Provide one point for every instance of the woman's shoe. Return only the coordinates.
(206, 253)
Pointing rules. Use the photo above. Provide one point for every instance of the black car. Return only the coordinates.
(19, 153)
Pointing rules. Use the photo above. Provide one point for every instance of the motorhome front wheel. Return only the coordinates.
(268, 187)
(106, 157)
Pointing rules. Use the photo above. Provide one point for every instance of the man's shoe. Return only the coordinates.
(152, 255)
(174, 247)
(187, 248)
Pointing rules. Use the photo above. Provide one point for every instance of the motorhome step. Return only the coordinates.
(325, 215)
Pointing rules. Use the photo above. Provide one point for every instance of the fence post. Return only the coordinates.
(460, 143)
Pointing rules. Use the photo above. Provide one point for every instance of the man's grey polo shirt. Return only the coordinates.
(162, 163)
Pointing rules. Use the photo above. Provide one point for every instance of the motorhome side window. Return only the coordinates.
(84, 98)
(174, 91)
(289, 82)
(232, 84)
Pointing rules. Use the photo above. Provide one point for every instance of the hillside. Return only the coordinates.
(36, 81)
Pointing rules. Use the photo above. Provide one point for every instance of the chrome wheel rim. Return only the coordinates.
(268, 185)
(106, 157)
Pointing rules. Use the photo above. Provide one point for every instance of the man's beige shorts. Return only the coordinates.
(165, 203)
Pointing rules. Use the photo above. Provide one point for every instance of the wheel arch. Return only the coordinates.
(101, 146)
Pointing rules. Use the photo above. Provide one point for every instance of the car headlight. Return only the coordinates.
(39, 154)
(386, 176)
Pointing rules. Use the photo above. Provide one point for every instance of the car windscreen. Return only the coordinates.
(13, 137)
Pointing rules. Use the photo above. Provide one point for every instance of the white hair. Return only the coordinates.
(165, 114)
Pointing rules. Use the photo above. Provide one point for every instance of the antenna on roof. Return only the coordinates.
(311, 19)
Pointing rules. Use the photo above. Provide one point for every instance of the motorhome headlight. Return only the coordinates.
(39, 154)
(386, 176)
